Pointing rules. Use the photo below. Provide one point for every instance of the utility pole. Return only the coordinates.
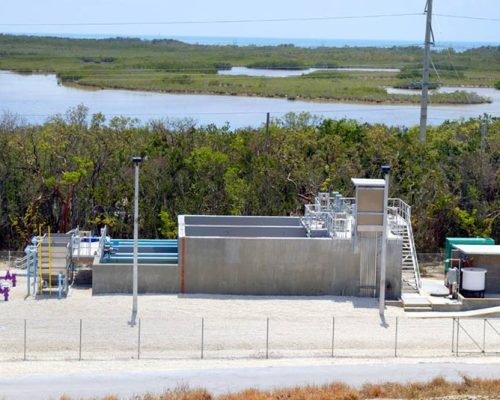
(425, 78)
(483, 145)
(483, 138)
(267, 131)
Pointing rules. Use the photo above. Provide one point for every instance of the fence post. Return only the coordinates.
(453, 335)
(458, 333)
(333, 334)
(484, 335)
(24, 340)
(267, 339)
(80, 347)
(396, 338)
(202, 335)
(139, 340)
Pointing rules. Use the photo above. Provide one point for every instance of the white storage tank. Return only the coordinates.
(473, 279)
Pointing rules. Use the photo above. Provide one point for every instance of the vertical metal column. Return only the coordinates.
(24, 358)
(268, 115)
(28, 255)
(40, 259)
(396, 338)
(484, 335)
(453, 335)
(139, 340)
(333, 335)
(50, 258)
(202, 336)
(383, 256)
(80, 347)
(137, 161)
(267, 339)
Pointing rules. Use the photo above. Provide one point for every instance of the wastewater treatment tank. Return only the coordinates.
(158, 251)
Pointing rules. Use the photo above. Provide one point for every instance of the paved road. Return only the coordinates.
(221, 380)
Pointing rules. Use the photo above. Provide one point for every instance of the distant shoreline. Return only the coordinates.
(265, 41)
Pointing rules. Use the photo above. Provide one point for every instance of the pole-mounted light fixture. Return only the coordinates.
(137, 162)
(386, 169)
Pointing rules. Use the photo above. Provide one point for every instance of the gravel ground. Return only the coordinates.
(234, 327)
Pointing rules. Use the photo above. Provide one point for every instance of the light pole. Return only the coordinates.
(137, 162)
(385, 169)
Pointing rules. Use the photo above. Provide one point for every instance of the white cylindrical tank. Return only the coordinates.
(473, 279)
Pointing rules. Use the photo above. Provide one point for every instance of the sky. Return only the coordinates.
(397, 28)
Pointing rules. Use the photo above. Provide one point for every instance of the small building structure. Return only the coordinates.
(483, 258)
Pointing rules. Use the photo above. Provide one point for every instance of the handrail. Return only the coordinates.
(403, 210)
(414, 255)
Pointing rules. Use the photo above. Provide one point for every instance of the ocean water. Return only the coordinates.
(267, 41)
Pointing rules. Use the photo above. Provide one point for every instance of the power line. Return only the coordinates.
(468, 17)
(220, 21)
(238, 21)
(275, 112)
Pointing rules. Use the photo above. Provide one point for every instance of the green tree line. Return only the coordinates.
(76, 170)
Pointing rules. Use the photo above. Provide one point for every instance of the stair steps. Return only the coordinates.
(53, 261)
(413, 302)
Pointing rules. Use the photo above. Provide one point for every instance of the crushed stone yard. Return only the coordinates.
(179, 327)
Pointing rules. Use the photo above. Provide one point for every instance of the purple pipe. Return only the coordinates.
(9, 277)
(5, 292)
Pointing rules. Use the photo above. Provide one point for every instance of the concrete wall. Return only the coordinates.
(152, 278)
(246, 231)
(233, 220)
(240, 226)
(278, 266)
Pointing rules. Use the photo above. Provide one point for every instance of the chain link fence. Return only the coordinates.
(191, 338)
(8, 258)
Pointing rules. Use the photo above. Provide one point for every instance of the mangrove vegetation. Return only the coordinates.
(175, 67)
(75, 170)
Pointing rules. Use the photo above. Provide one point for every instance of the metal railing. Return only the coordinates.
(336, 221)
(102, 242)
(399, 211)
(399, 208)
(78, 247)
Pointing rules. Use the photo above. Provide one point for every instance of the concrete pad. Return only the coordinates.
(435, 287)
(414, 299)
(492, 311)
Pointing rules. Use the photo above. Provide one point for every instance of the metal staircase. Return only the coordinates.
(400, 223)
(53, 264)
